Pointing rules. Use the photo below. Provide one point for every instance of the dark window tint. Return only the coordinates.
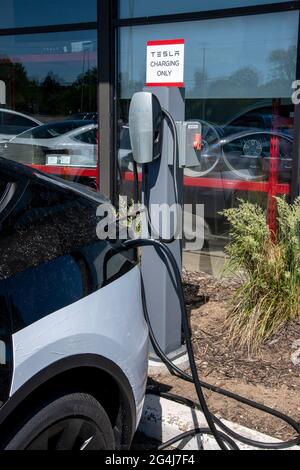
(89, 137)
(13, 124)
(136, 8)
(50, 254)
(125, 142)
(85, 116)
(249, 121)
(46, 223)
(49, 131)
(18, 13)
(51, 77)
(3, 186)
(11, 119)
(238, 83)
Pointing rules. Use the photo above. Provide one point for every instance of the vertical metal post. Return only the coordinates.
(107, 11)
(161, 294)
(295, 189)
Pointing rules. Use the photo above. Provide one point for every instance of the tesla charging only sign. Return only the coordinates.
(165, 63)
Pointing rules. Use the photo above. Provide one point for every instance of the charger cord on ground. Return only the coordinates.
(226, 438)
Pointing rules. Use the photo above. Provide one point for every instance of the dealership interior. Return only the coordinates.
(68, 71)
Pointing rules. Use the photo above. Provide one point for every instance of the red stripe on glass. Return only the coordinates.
(215, 183)
(66, 170)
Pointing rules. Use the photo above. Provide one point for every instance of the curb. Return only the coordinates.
(163, 419)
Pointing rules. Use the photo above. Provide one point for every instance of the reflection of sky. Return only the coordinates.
(17, 13)
(135, 8)
(216, 48)
(48, 46)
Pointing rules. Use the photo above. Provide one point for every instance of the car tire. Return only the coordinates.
(74, 421)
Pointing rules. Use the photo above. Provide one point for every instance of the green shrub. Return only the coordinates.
(270, 267)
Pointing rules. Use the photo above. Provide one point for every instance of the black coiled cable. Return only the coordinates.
(225, 443)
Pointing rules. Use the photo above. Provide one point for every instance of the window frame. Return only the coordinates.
(211, 14)
(107, 25)
(104, 25)
(230, 13)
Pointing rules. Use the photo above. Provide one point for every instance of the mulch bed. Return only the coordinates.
(269, 376)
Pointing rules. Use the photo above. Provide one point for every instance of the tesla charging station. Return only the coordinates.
(163, 171)
(161, 295)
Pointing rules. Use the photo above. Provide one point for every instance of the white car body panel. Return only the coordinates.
(109, 323)
(86, 154)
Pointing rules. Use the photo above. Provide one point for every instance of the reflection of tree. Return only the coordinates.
(85, 87)
(284, 63)
(239, 83)
(200, 83)
(283, 73)
(52, 96)
(18, 85)
(274, 80)
(128, 86)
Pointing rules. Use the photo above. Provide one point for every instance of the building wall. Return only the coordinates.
(241, 61)
(240, 64)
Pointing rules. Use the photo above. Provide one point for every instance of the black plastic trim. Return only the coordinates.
(107, 59)
(48, 28)
(212, 14)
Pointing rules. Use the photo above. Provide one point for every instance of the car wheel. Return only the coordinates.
(74, 421)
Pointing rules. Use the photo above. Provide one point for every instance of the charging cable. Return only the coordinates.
(226, 438)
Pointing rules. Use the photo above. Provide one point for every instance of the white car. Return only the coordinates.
(13, 123)
(73, 340)
(62, 143)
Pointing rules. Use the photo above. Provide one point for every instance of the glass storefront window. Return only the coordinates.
(49, 116)
(136, 8)
(238, 78)
(22, 13)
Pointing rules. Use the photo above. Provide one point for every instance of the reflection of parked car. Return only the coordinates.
(243, 155)
(125, 152)
(228, 165)
(84, 116)
(247, 154)
(239, 156)
(64, 143)
(71, 375)
(262, 118)
(240, 148)
(13, 123)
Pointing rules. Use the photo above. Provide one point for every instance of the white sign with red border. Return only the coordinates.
(165, 63)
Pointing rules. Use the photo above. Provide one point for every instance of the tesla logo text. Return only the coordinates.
(165, 54)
